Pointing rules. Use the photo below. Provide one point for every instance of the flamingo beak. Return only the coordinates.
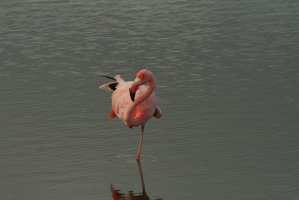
(134, 88)
(132, 94)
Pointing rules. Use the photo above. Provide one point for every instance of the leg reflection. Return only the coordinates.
(117, 195)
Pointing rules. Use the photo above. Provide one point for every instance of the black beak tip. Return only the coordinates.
(132, 95)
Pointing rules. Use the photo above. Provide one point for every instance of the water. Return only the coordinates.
(227, 79)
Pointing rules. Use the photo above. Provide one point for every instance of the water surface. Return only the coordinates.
(227, 80)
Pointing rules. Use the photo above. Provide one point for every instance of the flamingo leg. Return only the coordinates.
(140, 143)
(141, 176)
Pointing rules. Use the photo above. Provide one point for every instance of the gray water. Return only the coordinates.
(227, 75)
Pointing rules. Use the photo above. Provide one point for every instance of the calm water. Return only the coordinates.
(228, 78)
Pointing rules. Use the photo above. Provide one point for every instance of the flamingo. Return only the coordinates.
(133, 102)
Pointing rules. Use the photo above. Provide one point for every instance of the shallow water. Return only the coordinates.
(227, 80)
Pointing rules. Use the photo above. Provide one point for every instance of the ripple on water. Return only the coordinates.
(131, 158)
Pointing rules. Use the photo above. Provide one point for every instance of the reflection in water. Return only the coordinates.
(117, 195)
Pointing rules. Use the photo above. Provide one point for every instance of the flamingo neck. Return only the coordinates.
(129, 118)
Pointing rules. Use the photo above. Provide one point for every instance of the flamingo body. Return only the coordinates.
(142, 112)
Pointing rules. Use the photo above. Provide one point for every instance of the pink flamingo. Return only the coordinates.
(133, 102)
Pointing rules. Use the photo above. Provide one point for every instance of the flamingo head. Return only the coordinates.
(142, 77)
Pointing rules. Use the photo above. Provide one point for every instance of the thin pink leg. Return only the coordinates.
(141, 176)
(140, 143)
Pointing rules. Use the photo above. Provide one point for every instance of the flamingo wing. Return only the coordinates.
(111, 86)
(112, 114)
(158, 112)
(121, 99)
